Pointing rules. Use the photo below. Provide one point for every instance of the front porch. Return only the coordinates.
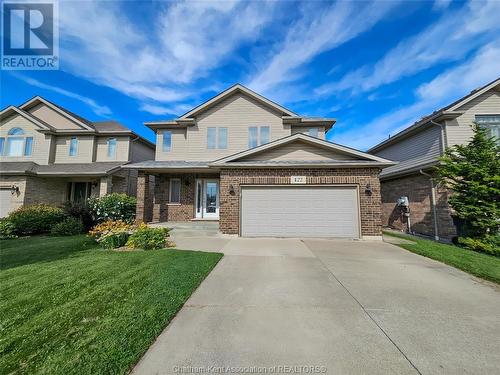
(178, 197)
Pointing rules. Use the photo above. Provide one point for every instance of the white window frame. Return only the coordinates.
(70, 146)
(314, 130)
(170, 191)
(256, 137)
(19, 136)
(489, 125)
(115, 141)
(211, 130)
(163, 145)
(219, 138)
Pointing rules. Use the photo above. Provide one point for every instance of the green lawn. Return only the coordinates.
(478, 264)
(68, 307)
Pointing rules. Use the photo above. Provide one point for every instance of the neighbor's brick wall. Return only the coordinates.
(370, 207)
(418, 190)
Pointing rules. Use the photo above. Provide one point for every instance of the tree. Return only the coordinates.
(472, 172)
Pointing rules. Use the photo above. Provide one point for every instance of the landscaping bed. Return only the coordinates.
(478, 264)
(67, 306)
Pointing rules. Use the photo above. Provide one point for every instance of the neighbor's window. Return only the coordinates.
(222, 141)
(264, 135)
(175, 190)
(313, 132)
(211, 138)
(167, 141)
(17, 144)
(491, 123)
(2, 144)
(111, 148)
(253, 136)
(73, 146)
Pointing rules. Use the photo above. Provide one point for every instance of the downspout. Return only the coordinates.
(443, 145)
(433, 203)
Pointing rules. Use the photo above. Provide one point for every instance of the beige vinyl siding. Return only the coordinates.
(139, 151)
(52, 117)
(122, 148)
(41, 142)
(297, 151)
(418, 149)
(236, 113)
(305, 130)
(458, 131)
(84, 152)
(179, 147)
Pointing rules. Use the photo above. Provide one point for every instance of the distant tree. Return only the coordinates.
(472, 172)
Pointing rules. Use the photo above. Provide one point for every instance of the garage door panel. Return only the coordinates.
(289, 211)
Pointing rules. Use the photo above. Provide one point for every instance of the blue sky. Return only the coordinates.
(374, 66)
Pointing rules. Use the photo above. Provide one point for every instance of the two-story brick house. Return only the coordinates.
(261, 170)
(417, 149)
(50, 155)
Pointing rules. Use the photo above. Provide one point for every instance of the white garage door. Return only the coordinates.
(305, 211)
(5, 202)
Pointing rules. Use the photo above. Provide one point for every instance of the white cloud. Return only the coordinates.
(442, 90)
(183, 42)
(317, 31)
(98, 109)
(441, 4)
(176, 110)
(449, 39)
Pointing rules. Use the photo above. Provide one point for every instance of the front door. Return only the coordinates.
(207, 199)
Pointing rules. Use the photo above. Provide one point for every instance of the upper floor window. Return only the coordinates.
(111, 148)
(313, 132)
(216, 138)
(491, 123)
(73, 146)
(258, 135)
(167, 141)
(16, 143)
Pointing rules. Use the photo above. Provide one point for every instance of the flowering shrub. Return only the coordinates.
(113, 206)
(37, 218)
(111, 233)
(148, 238)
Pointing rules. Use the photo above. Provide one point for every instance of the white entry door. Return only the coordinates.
(207, 199)
(305, 211)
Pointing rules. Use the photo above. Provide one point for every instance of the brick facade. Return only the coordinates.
(417, 188)
(370, 207)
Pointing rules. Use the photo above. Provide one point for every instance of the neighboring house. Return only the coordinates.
(417, 149)
(261, 170)
(50, 155)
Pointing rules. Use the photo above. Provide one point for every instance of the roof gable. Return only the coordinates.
(231, 91)
(11, 110)
(51, 113)
(301, 148)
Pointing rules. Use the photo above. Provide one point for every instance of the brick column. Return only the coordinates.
(143, 213)
(105, 185)
(160, 198)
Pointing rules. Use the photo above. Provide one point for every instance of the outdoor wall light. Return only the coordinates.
(368, 189)
(231, 189)
(14, 189)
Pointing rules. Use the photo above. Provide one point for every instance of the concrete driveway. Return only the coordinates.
(348, 307)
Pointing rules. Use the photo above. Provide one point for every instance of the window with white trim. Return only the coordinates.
(491, 123)
(167, 141)
(313, 132)
(111, 148)
(175, 190)
(73, 146)
(216, 138)
(16, 143)
(258, 135)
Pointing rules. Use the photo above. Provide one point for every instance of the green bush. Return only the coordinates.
(114, 240)
(68, 227)
(113, 207)
(148, 238)
(80, 211)
(7, 229)
(488, 244)
(37, 218)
